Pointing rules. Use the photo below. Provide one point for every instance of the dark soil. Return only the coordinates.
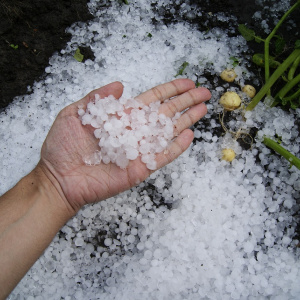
(31, 31)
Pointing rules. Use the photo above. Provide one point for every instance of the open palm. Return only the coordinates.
(68, 142)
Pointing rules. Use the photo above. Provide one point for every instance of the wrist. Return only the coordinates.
(51, 192)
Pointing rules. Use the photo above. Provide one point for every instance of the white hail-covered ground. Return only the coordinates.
(229, 233)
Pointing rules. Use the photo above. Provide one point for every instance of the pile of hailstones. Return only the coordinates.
(126, 129)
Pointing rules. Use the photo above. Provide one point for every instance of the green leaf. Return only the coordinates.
(149, 35)
(182, 68)
(78, 56)
(14, 46)
(125, 2)
(295, 105)
(297, 44)
(248, 34)
(235, 61)
(259, 59)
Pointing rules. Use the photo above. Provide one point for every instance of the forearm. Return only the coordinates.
(31, 214)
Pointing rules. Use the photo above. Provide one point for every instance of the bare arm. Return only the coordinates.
(31, 214)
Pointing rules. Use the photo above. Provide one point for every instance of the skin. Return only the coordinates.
(33, 211)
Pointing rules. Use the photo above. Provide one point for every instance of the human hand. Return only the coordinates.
(69, 141)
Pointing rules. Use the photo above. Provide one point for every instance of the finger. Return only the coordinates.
(177, 147)
(114, 88)
(184, 101)
(166, 90)
(190, 117)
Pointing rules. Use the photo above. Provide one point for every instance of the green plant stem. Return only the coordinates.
(293, 68)
(286, 89)
(258, 38)
(292, 97)
(278, 72)
(282, 151)
(268, 39)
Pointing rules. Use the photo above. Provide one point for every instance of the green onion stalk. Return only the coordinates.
(268, 39)
(282, 151)
(274, 77)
